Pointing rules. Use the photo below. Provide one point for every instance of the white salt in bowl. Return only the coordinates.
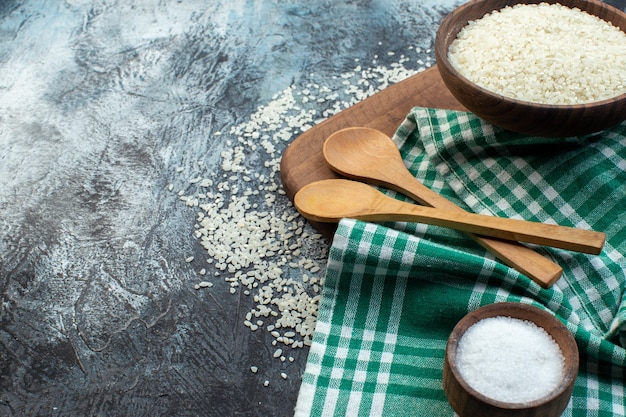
(510, 359)
(527, 116)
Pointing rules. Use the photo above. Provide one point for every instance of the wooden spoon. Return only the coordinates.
(371, 156)
(332, 200)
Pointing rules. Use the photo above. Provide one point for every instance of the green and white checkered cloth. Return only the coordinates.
(394, 292)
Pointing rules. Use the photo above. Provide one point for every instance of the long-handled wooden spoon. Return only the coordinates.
(371, 156)
(332, 200)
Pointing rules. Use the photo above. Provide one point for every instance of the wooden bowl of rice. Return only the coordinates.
(543, 68)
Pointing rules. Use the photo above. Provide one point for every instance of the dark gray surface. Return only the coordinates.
(103, 104)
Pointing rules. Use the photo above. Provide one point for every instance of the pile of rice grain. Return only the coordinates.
(543, 53)
(254, 239)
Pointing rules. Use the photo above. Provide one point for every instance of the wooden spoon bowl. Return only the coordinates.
(522, 116)
(466, 401)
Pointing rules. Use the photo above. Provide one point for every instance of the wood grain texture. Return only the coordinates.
(355, 153)
(333, 199)
(303, 161)
(520, 116)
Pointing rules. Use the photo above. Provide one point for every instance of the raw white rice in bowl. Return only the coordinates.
(543, 53)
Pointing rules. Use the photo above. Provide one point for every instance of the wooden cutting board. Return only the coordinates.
(303, 161)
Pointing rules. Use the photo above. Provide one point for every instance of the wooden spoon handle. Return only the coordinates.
(529, 262)
(579, 240)
(535, 266)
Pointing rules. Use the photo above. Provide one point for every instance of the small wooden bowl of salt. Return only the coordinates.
(510, 359)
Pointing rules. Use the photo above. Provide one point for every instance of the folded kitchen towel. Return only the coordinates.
(393, 292)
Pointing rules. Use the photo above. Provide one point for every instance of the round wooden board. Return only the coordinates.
(303, 161)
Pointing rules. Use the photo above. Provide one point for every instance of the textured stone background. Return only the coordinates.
(105, 103)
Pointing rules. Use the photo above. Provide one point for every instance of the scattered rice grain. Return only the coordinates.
(252, 234)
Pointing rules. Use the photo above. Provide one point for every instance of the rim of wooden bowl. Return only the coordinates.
(542, 318)
(475, 9)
